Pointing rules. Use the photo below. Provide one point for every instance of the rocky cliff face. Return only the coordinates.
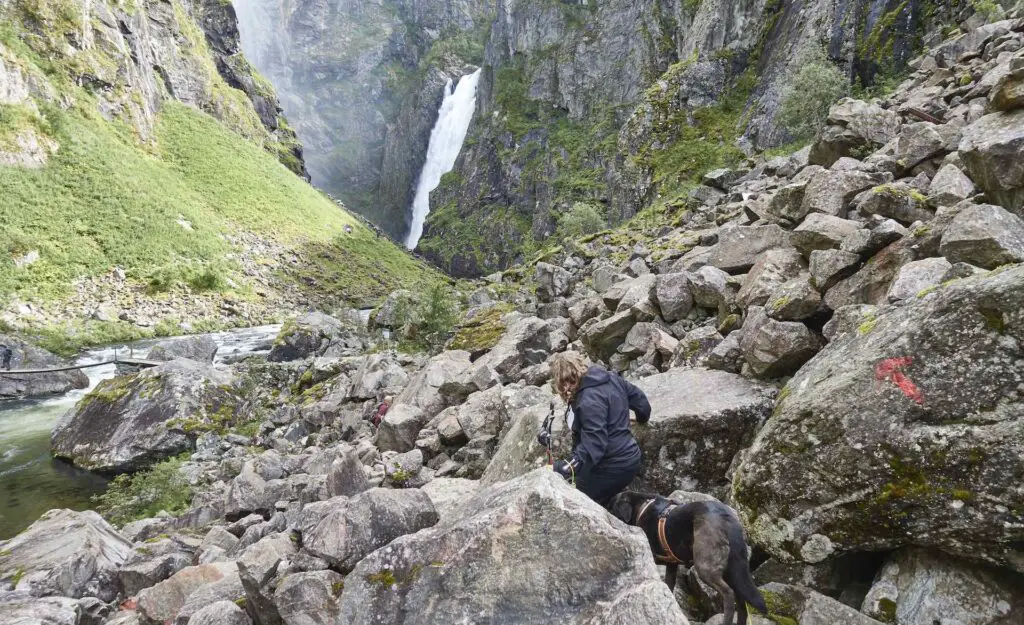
(623, 105)
(130, 59)
(362, 81)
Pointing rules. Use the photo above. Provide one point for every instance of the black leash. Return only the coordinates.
(545, 435)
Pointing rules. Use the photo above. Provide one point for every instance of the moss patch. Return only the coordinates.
(869, 323)
(482, 332)
(385, 578)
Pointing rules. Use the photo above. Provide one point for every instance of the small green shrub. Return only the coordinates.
(988, 9)
(814, 88)
(199, 276)
(580, 220)
(425, 322)
(144, 494)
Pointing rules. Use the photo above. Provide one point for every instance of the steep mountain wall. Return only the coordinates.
(362, 82)
(132, 57)
(142, 180)
(623, 105)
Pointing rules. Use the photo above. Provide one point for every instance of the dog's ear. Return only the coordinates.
(622, 508)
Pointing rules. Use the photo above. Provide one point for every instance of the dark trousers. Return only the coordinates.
(6, 356)
(605, 481)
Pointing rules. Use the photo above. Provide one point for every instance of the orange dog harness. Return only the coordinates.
(666, 556)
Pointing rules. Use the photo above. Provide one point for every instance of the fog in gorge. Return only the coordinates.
(354, 81)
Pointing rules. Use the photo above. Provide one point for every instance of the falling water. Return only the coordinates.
(445, 142)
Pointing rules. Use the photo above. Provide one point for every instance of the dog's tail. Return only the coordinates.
(739, 577)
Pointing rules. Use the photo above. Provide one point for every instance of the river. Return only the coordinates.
(31, 482)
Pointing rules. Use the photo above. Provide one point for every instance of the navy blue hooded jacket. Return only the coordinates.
(600, 431)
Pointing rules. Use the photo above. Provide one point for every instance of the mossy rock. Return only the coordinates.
(483, 332)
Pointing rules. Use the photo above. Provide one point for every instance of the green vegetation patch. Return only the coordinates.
(144, 494)
(483, 331)
(425, 323)
(103, 201)
(813, 89)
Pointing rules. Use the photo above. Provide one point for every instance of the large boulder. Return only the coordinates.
(920, 587)
(552, 282)
(738, 247)
(449, 495)
(794, 300)
(400, 428)
(603, 338)
(27, 356)
(220, 613)
(636, 296)
(772, 269)
(393, 310)
(916, 277)
(342, 530)
(822, 232)
(458, 572)
(897, 201)
(483, 414)
(200, 348)
(311, 598)
(853, 127)
(828, 267)
(162, 603)
(379, 375)
(158, 559)
(984, 235)
(921, 141)
(519, 452)
(437, 385)
(870, 284)
(346, 476)
(127, 423)
(991, 149)
(830, 192)
(18, 608)
(905, 432)
(774, 348)
(949, 186)
(525, 343)
(699, 419)
(65, 553)
(797, 604)
(317, 334)
(674, 297)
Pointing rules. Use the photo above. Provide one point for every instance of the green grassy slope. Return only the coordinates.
(185, 202)
(103, 200)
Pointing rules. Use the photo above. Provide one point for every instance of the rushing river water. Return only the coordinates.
(31, 482)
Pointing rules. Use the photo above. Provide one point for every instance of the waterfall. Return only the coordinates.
(445, 143)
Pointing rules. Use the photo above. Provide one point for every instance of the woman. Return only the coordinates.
(605, 457)
(382, 410)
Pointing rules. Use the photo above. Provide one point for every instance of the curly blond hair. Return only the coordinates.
(568, 369)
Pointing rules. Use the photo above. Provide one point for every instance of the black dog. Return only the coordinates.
(704, 534)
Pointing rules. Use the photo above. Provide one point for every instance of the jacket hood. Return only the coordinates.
(595, 376)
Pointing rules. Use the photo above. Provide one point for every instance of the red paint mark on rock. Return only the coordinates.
(892, 369)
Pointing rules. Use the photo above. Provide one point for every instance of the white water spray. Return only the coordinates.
(445, 143)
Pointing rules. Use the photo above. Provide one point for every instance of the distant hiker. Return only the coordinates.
(605, 456)
(5, 357)
(382, 409)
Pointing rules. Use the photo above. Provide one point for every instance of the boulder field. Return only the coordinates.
(831, 341)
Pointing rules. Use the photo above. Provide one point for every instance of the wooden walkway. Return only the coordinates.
(127, 362)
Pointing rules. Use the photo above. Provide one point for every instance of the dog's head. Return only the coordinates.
(626, 505)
